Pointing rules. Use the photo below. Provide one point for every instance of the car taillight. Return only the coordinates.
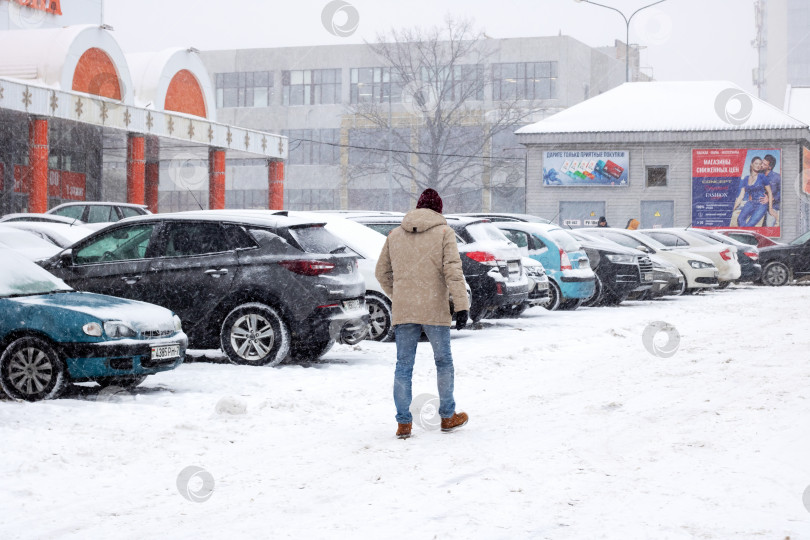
(483, 257)
(308, 268)
(565, 262)
(751, 255)
(726, 254)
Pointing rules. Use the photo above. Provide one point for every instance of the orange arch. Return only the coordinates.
(185, 95)
(96, 74)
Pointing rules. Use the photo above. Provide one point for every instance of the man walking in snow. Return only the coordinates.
(419, 267)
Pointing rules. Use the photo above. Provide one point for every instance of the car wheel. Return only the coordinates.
(123, 382)
(31, 370)
(476, 313)
(380, 318)
(554, 296)
(723, 284)
(570, 305)
(682, 289)
(596, 298)
(311, 348)
(255, 334)
(775, 274)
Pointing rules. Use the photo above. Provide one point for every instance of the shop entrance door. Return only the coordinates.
(581, 213)
(657, 214)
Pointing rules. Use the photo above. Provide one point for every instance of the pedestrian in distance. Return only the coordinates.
(419, 268)
(632, 224)
(602, 222)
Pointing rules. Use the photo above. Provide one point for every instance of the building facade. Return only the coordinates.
(783, 47)
(664, 153)
(310, 94)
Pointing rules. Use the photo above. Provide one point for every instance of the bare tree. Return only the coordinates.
(429, 127)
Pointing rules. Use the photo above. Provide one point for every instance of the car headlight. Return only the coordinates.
(118, 329)
(178, 325)
(700, 264)
(92, 329)
(622, 259)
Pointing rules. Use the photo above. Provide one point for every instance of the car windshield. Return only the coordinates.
(316, 239)
(486, 232)
(802, 239)
(564, 240)
(21, 277)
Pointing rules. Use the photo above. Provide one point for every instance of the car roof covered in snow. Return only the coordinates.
(270, 218)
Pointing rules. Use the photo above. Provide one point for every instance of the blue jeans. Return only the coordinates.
(751, 213)
(407, 338)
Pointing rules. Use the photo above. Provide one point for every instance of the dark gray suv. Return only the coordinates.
(262, 287)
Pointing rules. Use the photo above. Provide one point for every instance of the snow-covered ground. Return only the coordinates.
(576, 431)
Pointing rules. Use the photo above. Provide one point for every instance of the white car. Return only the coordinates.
(723, 256)
(26, 244)
(699, 272)
(59, 234)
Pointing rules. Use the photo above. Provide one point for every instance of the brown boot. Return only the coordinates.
(403, 431)
(454, 422)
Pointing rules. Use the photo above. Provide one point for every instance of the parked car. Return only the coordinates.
(538, 290)
(724, 257)
(491, 264)
(507, 216)
(41, 218)
(51, 335)
(26, 244)
(262, 287)
(783, 263)
(61, 235)
(619, 270)
(98, 214)
(747, 255)
(699, 272)
(751, 238)
(571, 279)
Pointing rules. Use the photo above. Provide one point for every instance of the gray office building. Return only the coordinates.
(783, 46)
(310, 93)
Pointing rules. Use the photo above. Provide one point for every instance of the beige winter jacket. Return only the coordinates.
(419, 268)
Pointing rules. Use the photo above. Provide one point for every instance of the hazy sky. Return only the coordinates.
(684, 39)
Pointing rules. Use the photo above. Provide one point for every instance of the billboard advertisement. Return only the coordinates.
(586, 168)
(737, 188)
(805, 170)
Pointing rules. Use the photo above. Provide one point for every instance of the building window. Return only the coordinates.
(313, 146)
(311, 87)
(244, 89)
(374, 85)
(526, 80)
(464, 83)
(311, 199)
(656, 176)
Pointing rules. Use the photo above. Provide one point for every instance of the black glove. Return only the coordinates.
(461, 319)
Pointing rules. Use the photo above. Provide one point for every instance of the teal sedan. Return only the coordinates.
(51, 335)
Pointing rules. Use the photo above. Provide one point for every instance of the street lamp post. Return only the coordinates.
(627, 25)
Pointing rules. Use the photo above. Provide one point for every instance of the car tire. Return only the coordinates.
(723, 284)
(310, 349)
(123, 382)
(476, 313)
(682, 290)
(775, 274)
(570, 304)
(30, 369)
(596, 298)
(380, 319)
(554, 296)
(254, 334)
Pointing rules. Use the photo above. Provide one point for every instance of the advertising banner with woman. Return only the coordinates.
(737, 187)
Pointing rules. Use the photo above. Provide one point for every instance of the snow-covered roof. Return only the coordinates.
(797, 103)
(667, 106)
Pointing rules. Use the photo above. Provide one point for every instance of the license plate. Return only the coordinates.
(513, 267)
(350, 305)
(583, 263)
(542, 285)
(648, 276)
(165, 351)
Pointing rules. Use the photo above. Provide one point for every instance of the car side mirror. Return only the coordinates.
(645, 249)
(66, 258)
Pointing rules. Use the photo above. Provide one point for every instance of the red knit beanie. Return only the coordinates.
(430, 199)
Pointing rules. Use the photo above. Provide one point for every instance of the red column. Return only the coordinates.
(136, 169)
(152, 174)
(38, 160)
(216, 179)
(275, 178)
